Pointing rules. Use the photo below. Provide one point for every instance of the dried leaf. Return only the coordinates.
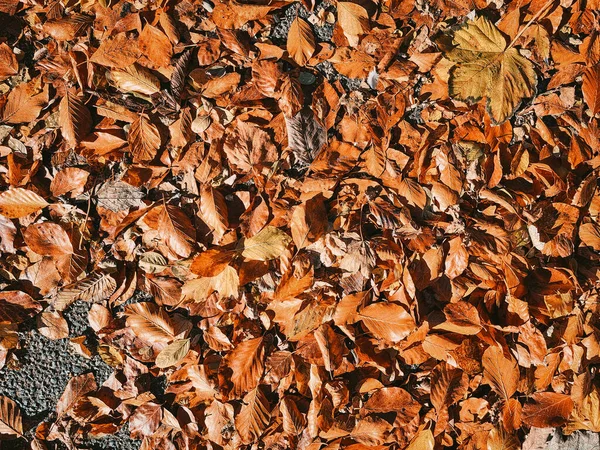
(487, 67)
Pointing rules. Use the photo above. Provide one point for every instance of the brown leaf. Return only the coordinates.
(24, 103)
(48, 239)
(591, 89)
(501, 373)
(70, 180)
(354, 20)
(76, 388)
(211, 262)
(547, 409)
(17, 306)
(11, 424)
(145, 420)
(150, 323)
(94, 288)
(144, 139)
(74, 119)
(8, 62)
(387, 321)
(246, 364)
(176, 229)
(461, 317)
(254, 415)
(300, 41)
(52, 325)
(173, 353)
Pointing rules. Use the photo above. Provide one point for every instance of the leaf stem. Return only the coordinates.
(528, 24)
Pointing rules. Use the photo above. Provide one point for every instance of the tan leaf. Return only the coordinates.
(300, 41)
(17, 202)
(486, 67)
(150, 323)
(74, 119)
(246, 364)
(424, 440)
(267, 244)
(547, 409)
(11, 424)
(457, 258)
(52, 325)
(213, 210)
(589, 234)
(248, 147)
(387, 321)
(94, 288)
(173, 353)
(448, 385)
(394, 399)
(226, 283)
(144, 139)
(48, 239)
(118, 51)
(254, 416)
(135, 78)
(354, 20)
(501, 373)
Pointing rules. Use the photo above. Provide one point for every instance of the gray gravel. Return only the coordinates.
(46, 366)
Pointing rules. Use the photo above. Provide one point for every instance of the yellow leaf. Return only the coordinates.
(487, 67)
(300, 41)
(267, 244)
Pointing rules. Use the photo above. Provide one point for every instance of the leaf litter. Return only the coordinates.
(358, 224)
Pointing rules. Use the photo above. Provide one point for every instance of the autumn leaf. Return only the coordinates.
(487, 67)
(97, 286)
(17, 306)
(173, 353)
(136, 79)
(17, 202)
(547, 409)
(11, 424)
(387, 321)
(150, 323)
(254, 415)
(74, 119)
(591, 89)
(175, 227)
(24, 103)
(461, 317)
(300, 41)
(246, 364)
(52, 325)
(500, 372)
(144, 139)
(354, 20)
(48, 239)
(267, 244)
(145, 420)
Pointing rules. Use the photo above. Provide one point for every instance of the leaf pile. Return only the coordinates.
(380, 230)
